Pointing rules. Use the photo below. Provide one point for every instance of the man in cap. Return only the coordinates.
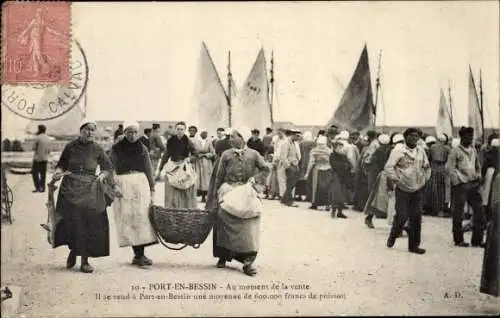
(157, 146)
(409, 169)
(465, 175)
(289, 161)
(256, 143)
(224, 143)
(41, 149)
(220, 136)
(267, 139)
(146, 138)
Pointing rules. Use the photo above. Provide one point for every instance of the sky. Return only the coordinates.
(143, 56)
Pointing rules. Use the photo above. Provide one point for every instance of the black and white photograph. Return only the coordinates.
(250, 159)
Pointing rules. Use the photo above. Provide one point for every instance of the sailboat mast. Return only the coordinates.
(481, 108)
(229, 93)
(271, 88)
(377, 88)
(451, 107)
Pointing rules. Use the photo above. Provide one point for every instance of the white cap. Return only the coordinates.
(87, 121)
(384, 139)
(398, 138)
(344, 135)
(455, 142)
(441, 137)
(321, 140)
(495, 142)
(430, 139)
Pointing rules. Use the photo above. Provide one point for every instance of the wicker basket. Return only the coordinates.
(181, 226)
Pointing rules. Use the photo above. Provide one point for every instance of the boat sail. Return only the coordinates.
(356, 110)
(210, 97)
(444, 123)
(475, 110)
(252, 109)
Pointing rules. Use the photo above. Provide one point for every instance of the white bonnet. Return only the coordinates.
(430, 139)
(384, 139)
(398, 138)
(321, 140)
(130, 124)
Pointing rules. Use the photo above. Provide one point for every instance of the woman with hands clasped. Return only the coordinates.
(179, 154)
(135, 182)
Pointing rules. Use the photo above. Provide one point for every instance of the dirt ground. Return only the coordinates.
(340, 261)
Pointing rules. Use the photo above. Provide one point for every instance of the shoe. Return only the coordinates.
(483, 245)
(417, 250)
(313, 207)
(142, 261)
(369, 222)
(35, 191)
(86, 268)
(391, 241)
(462, 244)
(71, 261)
(341, 215)
(292, 205)
(249, 270)
(221, 263)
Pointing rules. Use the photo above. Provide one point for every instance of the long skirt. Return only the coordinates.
(178, 198)
(84, 231)
(436, 189)
(490, 275)
(204, 168)
(321, 184)
(378, 200)
(338, 195)
(131, 211)
(361, 191)
(236, 238)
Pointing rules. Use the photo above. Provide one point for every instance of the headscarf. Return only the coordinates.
(495, 142)
(87, 122)
(441, 137)
(307, 136)
(130, 124)
(398, 138)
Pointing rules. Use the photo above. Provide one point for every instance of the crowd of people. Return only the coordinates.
(397, 176)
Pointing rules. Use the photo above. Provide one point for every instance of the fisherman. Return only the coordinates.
(157, 146)
(465, 176)
(409, 169)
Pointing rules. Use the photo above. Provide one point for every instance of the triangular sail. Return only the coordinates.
(210, 96)
(444, 121)
(356, 109)
(252, 106)
(475, 120)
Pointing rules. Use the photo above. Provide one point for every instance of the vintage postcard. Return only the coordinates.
(250, 158)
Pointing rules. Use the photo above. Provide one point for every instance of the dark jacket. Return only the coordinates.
(256, 145)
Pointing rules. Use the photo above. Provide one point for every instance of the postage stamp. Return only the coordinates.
(36, 42)
(45, 101)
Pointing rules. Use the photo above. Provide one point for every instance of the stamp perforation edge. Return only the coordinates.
(3, 44)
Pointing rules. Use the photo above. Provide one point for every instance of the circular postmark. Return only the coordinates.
(43, 101)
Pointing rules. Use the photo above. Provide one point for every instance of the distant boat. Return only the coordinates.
(356, 110)
(475, 109)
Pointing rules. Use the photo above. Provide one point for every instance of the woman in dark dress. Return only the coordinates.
(233, 237)
(180, 150)
(340, 172)
(81, 202)
(134, 178)
(319, 169)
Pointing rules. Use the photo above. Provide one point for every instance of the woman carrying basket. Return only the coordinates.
(82, 203)
(179, 154)
(234, 237)
(134, 179)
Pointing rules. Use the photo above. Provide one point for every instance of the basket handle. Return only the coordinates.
(160, 239)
